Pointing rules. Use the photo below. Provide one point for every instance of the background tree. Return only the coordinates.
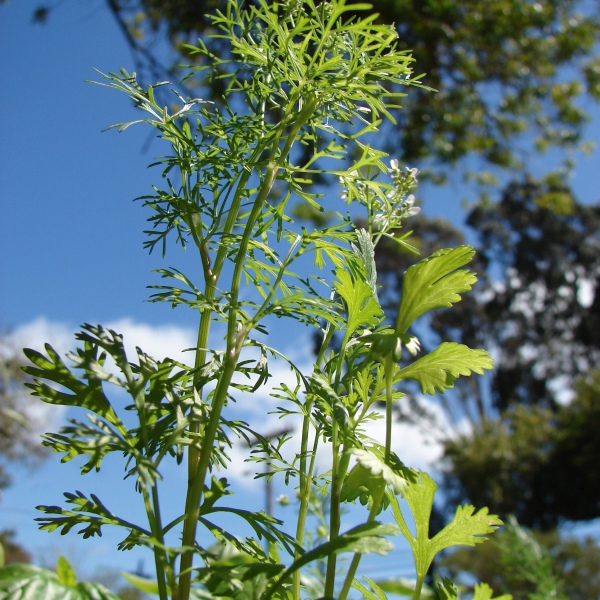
(539, 267)
(539, 464)
(510, 74)
(18, 442)
(11, 550)
(531, 565)
(532, 421)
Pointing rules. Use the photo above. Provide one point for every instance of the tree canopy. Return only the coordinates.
(539, 464)
(509, 74)
(17, 442)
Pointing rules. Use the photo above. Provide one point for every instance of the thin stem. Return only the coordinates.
(151, 504)
(389, 371)
(153, 513)
(375, 509)
(377, 501)
(306, 476)
(235, 340)
(305, 488)
(417, 593)
(194, 492)
(338, 474)
(334, 513)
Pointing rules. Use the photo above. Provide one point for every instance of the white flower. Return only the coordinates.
(409, 209)
(412, 173)
(394, 164)
(413, 345)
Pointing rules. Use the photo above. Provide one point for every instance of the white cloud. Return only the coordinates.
(41, 417)
(409, 442)
(159, 341)
(413, 445)
(41, 331)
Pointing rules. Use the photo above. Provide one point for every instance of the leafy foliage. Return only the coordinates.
(294, 75)
(530, 564)
(22, 581)
(537, 450)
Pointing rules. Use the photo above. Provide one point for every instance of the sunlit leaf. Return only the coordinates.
(366, 478)
(65, 572)
(446, 590)
(363, 309)
(484, 592)
(434, 283)
(406, 587)
(28, 582)
(376, 594)
(438, 370)
(466, 529)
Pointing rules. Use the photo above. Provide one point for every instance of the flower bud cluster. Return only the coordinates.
(388, 209)
(355, 179)
(400, 203)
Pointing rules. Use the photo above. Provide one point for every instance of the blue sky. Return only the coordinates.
(70, 235)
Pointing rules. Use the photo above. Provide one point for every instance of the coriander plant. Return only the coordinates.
(305, 88)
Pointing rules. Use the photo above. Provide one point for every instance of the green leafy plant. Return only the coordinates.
(21, 581)
(305, 88)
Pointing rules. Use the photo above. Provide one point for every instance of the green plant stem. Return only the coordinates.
(193, 496)
(306, 475)
(340, 469)
(153, 513)
(377, 502)
(303, 514)
(417, 593)
(375, 509)
(388, 366)
(235, 340)
(338, 473)
(151, 503)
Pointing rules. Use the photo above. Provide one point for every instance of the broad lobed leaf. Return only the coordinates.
(434, 283)
(438, 370)
(466, 528)
(363, 309)
(484, 592)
